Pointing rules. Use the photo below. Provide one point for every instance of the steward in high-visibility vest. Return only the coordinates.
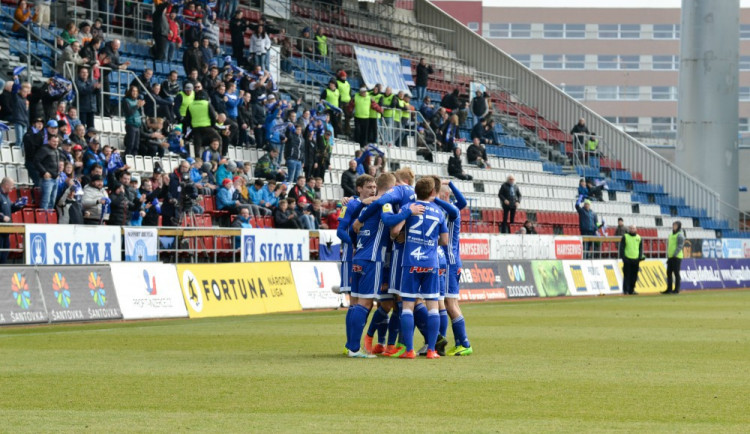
(375, 115)
(322, 43)
(345, 97)
(200, 116)
(331, 94)
(184, 98)
(675, 245)
(362, 102)
(631, 253)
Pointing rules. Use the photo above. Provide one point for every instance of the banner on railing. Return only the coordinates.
(330, 245)
(481, 281)
(21, 300)
(406, 71)
(652, 276)
(550, 278)
(506, 248)
(262, 245)
(518, 279)
(79, 293)
(72, 244)
(276, 8)
(689, 275)
(237, 289)
(568, 248)
(735, 273)
(148, 290)
(613, 275)
(709, 274)
(474, 248)
(141, 244)
(380, 67)
(314, 281)
(275, 63)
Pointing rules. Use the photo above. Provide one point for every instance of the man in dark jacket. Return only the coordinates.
(579, 133)
(7, 208)
(477, 154)
(423, 74)
(479, 106)
(47, 162)
(349, 179)
(237, 28)
(454, 166)
(510, 197)
(160, 30)
(87, 89)
(294, 152)
(587, 223)
(192, 60)
(19, 111)
(450, 102)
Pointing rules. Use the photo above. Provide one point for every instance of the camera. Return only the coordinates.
(188, 193)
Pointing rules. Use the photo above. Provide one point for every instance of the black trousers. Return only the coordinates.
(630, 275)
(4, 244)
(505, 225)
(673, 268)
(361, 127)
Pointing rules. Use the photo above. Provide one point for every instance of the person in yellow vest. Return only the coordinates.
(330, 97)
(375, 113)
(362, 102)
(631, 253)
(675, 244)
(388, 102)
(345, 97)
(200, 117)
(321, 42)
(184, 98)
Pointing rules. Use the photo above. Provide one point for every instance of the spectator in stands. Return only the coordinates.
(158, 106)
(170, 87)
(19, 107)
(283, 217)
(47, 161)
(479, 106)
(349, 179)
(200, 116)
(587, 222)
(579, 133)
(143, 81)
(207, 52)
(490, 136)
(153, 143)
(258, 204)
(213, 152)
(323, 149)
(455, 168)
(272, 192)
(423, 74)
(69, 208)
(60, 115)
(477, 155)
(95, 202)
(78, 137)
(260, 44)
(225, 170)
(299, 189)
(87, 89)
(69, 35)
(529, 227)
(151, 205)
(84, 34)
(33, 140)
(119, 205)
(425, 142)
(73, 118)
(450, 102)
(97, 31)
(211, 31)
(131, 109)
(71, 54)
(427, 109)
(620, 229)
(224, 194)
(160, 30)
(237, 28)
(477, 131)
(449, 134)
(192, 59)
(294, 152)
(268, 168)
(24, 15)
(242, 220)
(510, 197)
(7, 208)
(112, 49)
(90, 50)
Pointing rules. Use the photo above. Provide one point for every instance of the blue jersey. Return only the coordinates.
(398, 197)
(346, 234)
(422, 235)
(453, 216)
(373, 237)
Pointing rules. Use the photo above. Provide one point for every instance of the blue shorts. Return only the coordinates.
(454, 277)
(419, 282)
(346, 276)
(397, 257)
(442, 282)
(367, 277)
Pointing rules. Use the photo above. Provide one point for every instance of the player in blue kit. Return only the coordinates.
(367, 269)
(424, 234)
(366, 188)
(453, 253)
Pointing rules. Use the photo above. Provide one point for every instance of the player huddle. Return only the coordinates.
(401, 247)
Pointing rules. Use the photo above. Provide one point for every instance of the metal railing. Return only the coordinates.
(34, 33)
(128, 20)
(535, 91)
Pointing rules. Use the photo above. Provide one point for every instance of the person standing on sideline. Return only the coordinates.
(631, 253)
(510, 197)
(587, 224)
(423, 74)
(675, 243)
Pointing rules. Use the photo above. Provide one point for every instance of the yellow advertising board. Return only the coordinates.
(237, 289)
(652, 278)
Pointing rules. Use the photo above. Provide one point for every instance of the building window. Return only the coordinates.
(575, 61)
(744, 126)
(665, 63)
(663, 124)
(619, 31)
(577, 92)
(630, 62)
(744, 63)
(630, 31)
(525, 59)
(666, 31)
(744, 93)
(629, 123)
(499, 30)
(663, 93)
(609, 31)
(606, 92)
(520, 30)
(575, 31)
(552, 61)
(606, 61)
(744, 31)
(629, 92)
(553, 31)
(473, 26)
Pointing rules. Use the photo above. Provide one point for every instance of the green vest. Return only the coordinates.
(332, 96)
(199, 114)
(345, 91)
(672, 246)
(632, 246)
(387, 100)
(186, 101)
(592, 145)
(378, 100)
(362, 106)
(322, 44)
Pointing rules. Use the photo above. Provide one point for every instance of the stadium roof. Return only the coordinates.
(594, 4)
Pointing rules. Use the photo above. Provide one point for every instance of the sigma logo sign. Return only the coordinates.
(249, 251)
(38, 245)
(192, 292)
(568, 249)
(261, 245)
(712, 249)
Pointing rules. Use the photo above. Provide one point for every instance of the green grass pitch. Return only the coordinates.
(606, 364)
